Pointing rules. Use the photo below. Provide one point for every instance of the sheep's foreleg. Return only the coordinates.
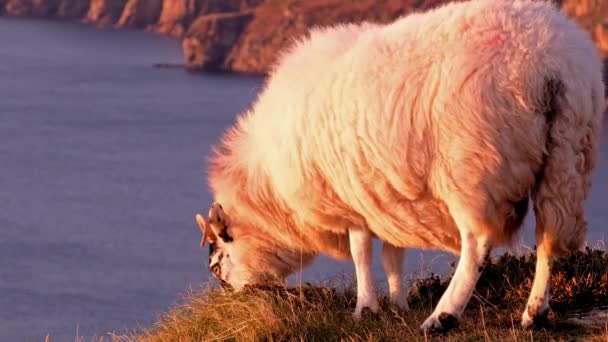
(361, 251)
(392, 261)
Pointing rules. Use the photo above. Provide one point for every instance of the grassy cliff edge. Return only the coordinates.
(323, 313)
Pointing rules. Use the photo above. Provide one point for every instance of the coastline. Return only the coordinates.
(240, 36)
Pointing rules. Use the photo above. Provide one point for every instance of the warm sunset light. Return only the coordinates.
(303, 170)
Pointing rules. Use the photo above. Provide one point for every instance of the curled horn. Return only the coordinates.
(205, 228)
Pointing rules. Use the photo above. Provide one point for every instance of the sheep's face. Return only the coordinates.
(227, 263)
(236, 260)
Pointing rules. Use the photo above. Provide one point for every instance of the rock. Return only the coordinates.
(227, 6)
(258, 47)
(246, 35)
(105, 12)
(176, 16)
(593, 16)
(140, 13)
(45, 8)
(211, 39)
(35, 8)
(606, 80)
(276, 22)
(601, 38)
(73, 9)
(18, 7)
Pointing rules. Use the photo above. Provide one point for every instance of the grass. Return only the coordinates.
(323, 313)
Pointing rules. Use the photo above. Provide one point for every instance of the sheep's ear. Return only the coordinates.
(218, 221)
(204, 226)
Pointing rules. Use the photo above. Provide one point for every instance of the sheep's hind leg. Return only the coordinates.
(475, 252)
(392, 261)
(361, 251)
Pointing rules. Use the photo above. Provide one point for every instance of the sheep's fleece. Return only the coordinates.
(432, 132)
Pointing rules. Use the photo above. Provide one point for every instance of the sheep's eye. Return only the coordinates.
(215, 269)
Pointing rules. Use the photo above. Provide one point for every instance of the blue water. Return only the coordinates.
(102, 170)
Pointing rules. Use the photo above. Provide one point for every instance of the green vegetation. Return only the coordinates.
(323, 313)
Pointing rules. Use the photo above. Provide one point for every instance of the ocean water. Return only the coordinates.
(101, 172)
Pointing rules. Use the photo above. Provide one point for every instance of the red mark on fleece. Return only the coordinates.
(494, 41)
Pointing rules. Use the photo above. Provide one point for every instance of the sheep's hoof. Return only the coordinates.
(401, 304)
(536, 321)
(365, 312)
(439, 324)
(399, 309)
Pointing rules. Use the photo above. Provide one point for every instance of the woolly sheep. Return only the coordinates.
(430, 132)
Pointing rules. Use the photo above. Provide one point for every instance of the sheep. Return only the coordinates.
(433, 131)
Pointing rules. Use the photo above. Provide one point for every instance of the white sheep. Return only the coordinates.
(430, 132)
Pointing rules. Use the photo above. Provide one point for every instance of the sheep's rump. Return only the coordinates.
(398, 127)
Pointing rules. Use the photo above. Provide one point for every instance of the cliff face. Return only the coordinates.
(257, 47)
(245, 35)
(36, 8)
(140, 13)
(221, 33)
(593, 16)
(72, 9)
(176, 16)
(105, 12)
(254, 51)
(68, 9)
(18, 8)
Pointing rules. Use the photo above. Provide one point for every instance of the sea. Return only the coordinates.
(102, 158)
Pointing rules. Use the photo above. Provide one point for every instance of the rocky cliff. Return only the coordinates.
(72, 9)
(273, 23)
(36, 8)
(276, 22)
(105, 12)
(593, 16)
(245, 35)
(176, 16)
(140, 13)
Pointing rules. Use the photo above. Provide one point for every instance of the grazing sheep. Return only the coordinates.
(430, 132)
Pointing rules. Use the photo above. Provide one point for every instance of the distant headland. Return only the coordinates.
(244, 35)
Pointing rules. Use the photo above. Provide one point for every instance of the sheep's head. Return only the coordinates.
(237, 258)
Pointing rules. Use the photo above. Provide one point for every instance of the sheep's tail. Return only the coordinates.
(573, 118)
